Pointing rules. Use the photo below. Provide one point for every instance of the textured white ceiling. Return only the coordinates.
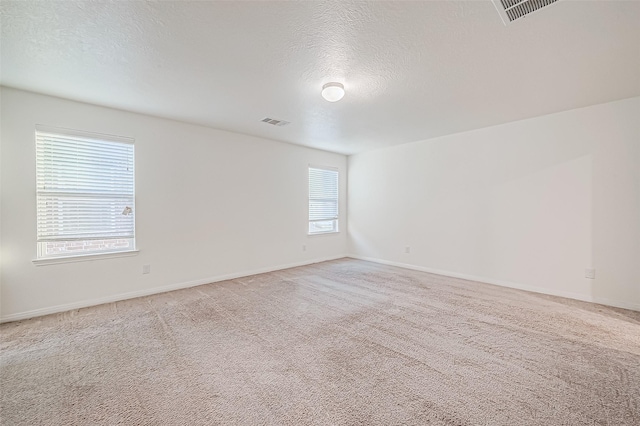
(412, 70)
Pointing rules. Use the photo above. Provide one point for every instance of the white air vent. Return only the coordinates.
(510, 10)
(278, 123)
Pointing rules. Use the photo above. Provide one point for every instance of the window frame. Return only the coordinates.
(336, 220)
(81, 255)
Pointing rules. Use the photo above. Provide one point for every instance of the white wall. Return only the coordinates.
(209, 204)
(528, 204)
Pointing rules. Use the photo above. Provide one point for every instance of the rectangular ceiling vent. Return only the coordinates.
(278, 123)
(511, 10)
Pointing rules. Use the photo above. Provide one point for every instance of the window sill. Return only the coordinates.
(83, 257)
(319, 234)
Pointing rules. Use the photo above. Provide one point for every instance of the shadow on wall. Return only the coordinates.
(530, 204)
(616, 213)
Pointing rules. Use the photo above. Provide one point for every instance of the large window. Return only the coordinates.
(323, 200)
(85, 193)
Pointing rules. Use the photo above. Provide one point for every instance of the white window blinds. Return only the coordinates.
(85, 192)
(323, 200)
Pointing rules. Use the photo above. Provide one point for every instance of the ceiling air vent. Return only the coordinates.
(510, 10)
(278, 123)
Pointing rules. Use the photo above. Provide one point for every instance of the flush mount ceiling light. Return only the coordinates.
(333, 92)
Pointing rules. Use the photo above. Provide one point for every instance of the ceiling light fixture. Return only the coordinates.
(333, 92)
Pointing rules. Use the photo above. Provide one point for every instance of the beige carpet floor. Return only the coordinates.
(345, 342)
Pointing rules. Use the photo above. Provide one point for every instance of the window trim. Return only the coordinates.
(337, 219)
(41, 260)
(53, 260)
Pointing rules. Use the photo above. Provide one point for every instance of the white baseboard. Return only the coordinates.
(147, 292)
(519, 286)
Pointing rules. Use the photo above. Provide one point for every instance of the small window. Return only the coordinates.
(323, 200)
(85, 193)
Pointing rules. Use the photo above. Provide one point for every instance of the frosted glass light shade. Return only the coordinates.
(333, 92)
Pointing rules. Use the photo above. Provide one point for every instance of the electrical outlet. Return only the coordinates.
(590, 273)
(407, 249)
(146, 269)
(304, 247)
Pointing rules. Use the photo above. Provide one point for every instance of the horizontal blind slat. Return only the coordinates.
(44, 135)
